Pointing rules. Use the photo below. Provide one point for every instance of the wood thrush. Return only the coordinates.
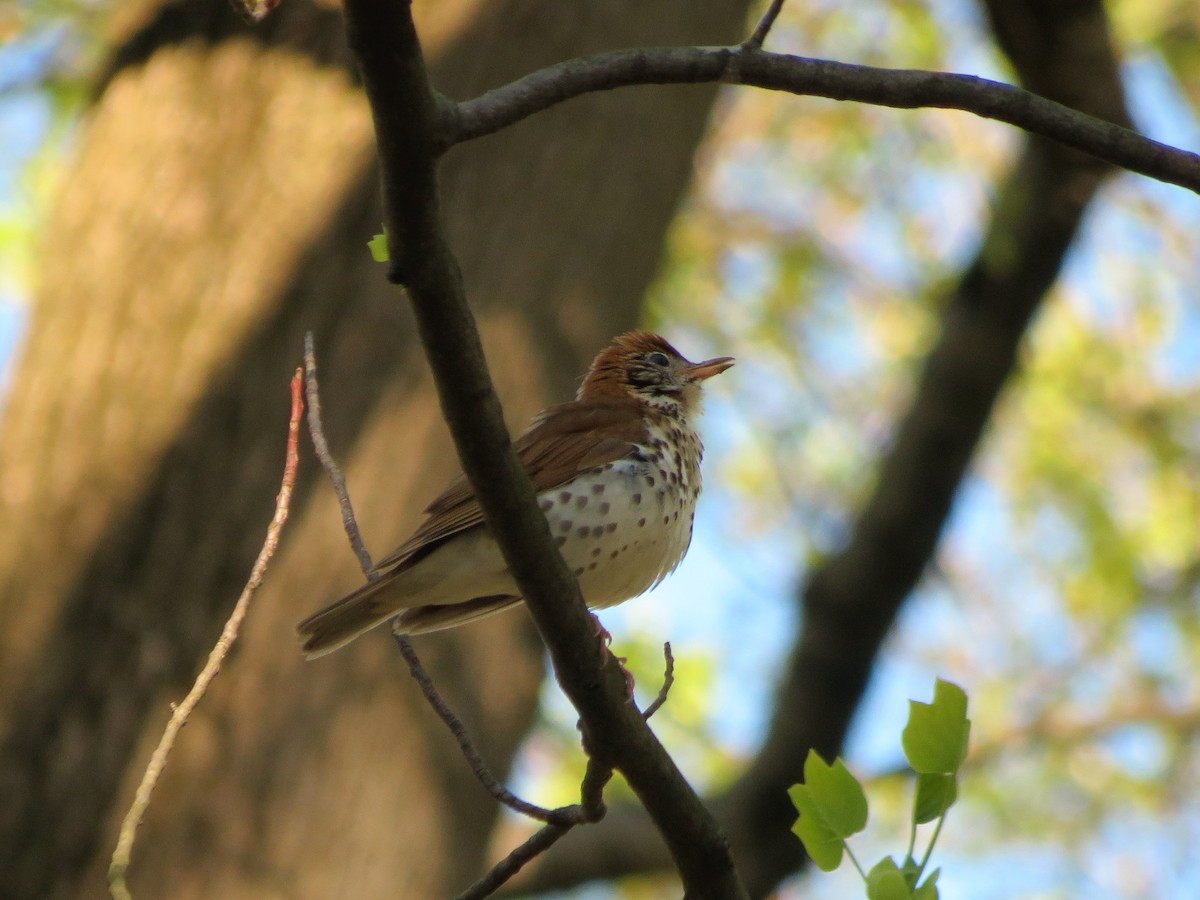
(617, 473)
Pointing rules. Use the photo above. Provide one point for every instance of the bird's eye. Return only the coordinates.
(658, 359)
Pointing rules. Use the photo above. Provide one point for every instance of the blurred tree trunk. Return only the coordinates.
(218, 209)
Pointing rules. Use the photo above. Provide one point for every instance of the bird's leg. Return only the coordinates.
(605, 643)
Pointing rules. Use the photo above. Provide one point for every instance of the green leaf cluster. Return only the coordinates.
(832, 804)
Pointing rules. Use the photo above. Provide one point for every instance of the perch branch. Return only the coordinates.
(407, 114)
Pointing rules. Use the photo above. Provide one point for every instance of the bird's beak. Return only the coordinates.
(707, 369)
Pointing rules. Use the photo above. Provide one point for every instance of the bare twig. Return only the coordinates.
(589, 810)
(459, 730)
(899, 88)
(755, 41)
(541, 841)
(591, 790)
(179, 715)
(317, 431)
(668, 680)
(415, 667)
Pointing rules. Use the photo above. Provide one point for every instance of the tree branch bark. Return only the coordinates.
(899, 88)
(383, 37)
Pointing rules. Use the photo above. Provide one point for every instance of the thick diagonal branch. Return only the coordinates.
(405, 110)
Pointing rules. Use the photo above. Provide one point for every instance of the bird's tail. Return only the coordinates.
(423, 619)
(341, 622)
(374, 603)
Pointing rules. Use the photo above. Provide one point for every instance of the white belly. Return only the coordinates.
(620, 535)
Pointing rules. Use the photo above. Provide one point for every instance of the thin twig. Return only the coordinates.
(416, 668)
(317, 431)
(459, 730)
(755, 41)
(668, 680)
(179, 716)
(591, 791)
(591, 810)
(541, 841)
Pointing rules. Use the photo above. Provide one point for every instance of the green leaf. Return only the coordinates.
(928, 890)
(935, 738)
(832, 807)
(837, 794)
(378, 246)
(886, 882)
(821, 844)
(935, 795)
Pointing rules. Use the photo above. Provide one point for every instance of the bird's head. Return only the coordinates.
(645, 367)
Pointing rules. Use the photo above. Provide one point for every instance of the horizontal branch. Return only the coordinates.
(899, 88)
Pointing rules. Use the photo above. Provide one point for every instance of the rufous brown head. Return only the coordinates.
(647, 368)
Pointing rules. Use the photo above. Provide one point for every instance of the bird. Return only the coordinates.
(617, 475)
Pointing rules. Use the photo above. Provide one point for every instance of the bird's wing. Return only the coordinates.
(563, 442)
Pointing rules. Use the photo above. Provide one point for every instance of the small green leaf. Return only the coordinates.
(837, 794)
(928, 890)
(821, 844)
(832, 807)
(935, 738)
(935, 795)
(885, 882)
(378, 246)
